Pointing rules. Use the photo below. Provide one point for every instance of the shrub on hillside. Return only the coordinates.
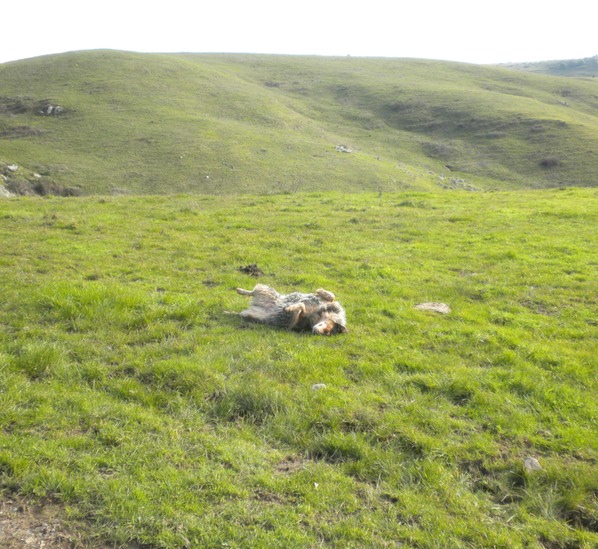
(40, 187)
(550, 162)
(438, 150)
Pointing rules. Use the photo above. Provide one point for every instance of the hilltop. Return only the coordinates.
(584, 68)
(100, 122)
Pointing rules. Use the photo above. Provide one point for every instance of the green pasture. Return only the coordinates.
(153, 419)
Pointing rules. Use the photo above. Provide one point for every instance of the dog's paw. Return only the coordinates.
(294, 307)
(325, 295)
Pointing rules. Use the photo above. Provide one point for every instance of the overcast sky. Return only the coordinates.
(474, 31)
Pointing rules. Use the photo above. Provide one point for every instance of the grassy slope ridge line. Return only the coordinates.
(586, 67)
(129, 398)
(226, 124)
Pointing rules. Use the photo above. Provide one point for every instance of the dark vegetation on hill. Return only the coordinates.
(116, 122)
(586, 67)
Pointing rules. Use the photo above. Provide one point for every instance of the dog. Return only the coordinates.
(319, 313)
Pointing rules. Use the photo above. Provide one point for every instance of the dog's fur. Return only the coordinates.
(319, 313)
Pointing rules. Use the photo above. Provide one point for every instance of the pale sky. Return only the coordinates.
(474, 31)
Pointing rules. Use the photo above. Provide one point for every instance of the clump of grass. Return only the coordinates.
(550, 162)
(252, 399)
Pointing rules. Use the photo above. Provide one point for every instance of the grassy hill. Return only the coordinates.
(139, 415)
(226, 124)
(581, 68)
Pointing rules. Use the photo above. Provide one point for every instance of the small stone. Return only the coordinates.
(531, 464)
(441, 308)
(318, 386)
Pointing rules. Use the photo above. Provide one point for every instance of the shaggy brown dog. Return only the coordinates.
(319, 313)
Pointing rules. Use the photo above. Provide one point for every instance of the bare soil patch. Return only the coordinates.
(25, 525)
(252, 270)
(31, 526)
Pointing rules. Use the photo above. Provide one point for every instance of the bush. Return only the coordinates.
(40, 187)
(438, 150)
(550, 162)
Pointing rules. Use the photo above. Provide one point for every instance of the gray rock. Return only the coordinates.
(441, 308)
(531, 464)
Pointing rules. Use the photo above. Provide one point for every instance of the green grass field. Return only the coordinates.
(152, 419)
(250, 124)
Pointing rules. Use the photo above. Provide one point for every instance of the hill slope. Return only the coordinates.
(584, 68)
(150, 123)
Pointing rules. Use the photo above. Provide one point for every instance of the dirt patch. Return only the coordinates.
(540, 308)
(39, 187)
(17, 132)
(25, 104)
(24, 525)
(31, 526)
(290, 465)
(252, 270)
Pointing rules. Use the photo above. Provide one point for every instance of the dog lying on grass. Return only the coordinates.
(319, 313)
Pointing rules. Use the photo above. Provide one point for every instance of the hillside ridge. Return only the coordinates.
(586, 67)
(100, 122)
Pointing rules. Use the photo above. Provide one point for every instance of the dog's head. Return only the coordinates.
(330, 324)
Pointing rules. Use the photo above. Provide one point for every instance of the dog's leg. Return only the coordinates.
(259, 289)
(297, 311)
(244, 292)
(325, 295)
